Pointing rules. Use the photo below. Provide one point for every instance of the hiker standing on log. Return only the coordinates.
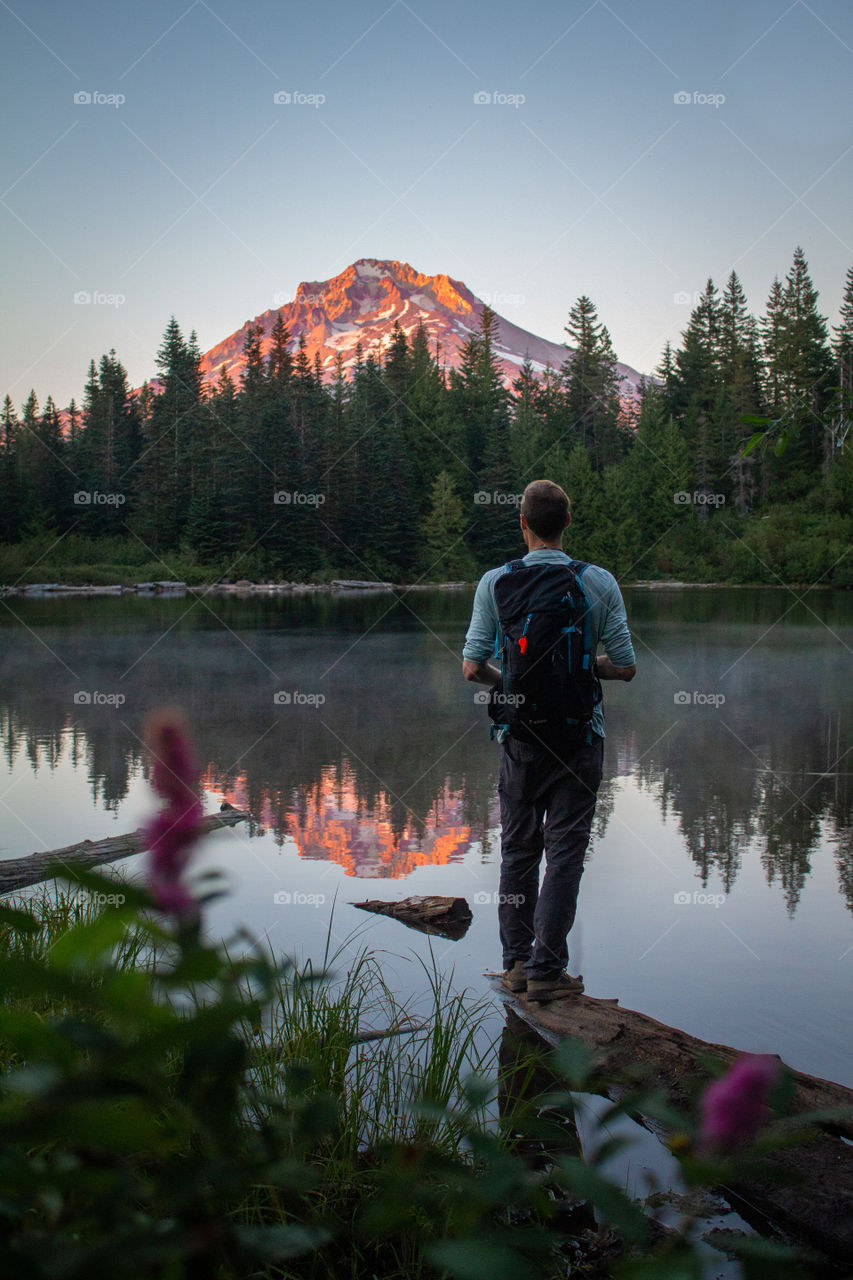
(543, 618)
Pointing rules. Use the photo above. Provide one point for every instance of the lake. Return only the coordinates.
(718, 890)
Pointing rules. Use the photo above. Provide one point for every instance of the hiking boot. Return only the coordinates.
(543, 990)
(515, 979)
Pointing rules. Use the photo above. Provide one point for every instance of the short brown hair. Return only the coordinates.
(545, 507)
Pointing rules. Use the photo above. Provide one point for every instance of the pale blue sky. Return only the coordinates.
(200, 196)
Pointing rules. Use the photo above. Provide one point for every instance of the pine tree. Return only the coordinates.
(478, 394)
(592, 383)
(842, 350)
(12, 506)
(658, 467)
(29, 459)
(53, 478)
(668, 375)
(434, 434)
(172, 429)
(527, 435)
(445, 555)
(697, 390)
(279, 359)
(741, 375)
(799, 376)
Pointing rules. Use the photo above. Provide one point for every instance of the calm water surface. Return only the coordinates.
(719, 886)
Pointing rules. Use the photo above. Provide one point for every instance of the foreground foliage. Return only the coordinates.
(171, 1110)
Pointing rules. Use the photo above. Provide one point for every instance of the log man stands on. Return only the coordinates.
(543, 618)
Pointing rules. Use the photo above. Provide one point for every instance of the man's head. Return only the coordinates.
(545, 510)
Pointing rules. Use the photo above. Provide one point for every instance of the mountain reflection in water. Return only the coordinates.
(329, 824)
(738, 724)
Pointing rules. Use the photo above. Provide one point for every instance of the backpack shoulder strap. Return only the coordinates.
(578, 566)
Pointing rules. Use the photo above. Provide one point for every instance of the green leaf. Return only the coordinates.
(280, 1242)
(23, 921)
(752, 443)
(100, 882)
(478, 1090)
(781, 444)
(573, 1061)
(479, 1257)
(613, 1205)
(85, 943)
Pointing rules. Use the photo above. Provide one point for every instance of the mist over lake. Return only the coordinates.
(718, 889)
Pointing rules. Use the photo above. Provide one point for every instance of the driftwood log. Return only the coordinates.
(448, 917)
(18, 873)
(817, 1209)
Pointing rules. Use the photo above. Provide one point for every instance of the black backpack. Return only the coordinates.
(548, 688)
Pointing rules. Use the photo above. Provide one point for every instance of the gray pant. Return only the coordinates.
(547, 804)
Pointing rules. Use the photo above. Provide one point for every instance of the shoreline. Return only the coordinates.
(339, 586)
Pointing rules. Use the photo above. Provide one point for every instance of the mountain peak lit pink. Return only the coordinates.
(362, 305)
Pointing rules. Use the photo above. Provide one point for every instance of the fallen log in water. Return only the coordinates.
(17, 873)
(448, 917)
(817, 1209)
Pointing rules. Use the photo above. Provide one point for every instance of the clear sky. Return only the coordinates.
(200, 195)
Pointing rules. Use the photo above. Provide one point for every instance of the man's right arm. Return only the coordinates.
(482, 633)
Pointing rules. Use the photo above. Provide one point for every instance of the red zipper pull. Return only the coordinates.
(522, 644)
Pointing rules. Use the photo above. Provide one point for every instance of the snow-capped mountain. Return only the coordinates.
(362, 305)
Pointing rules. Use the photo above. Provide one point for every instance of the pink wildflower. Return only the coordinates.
(735, 1106)
(175, 829)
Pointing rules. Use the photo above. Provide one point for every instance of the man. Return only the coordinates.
(548, 788)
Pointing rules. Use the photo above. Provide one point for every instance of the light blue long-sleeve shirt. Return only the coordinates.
(608, 621)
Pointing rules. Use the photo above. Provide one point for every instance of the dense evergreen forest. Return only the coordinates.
(734, 463)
